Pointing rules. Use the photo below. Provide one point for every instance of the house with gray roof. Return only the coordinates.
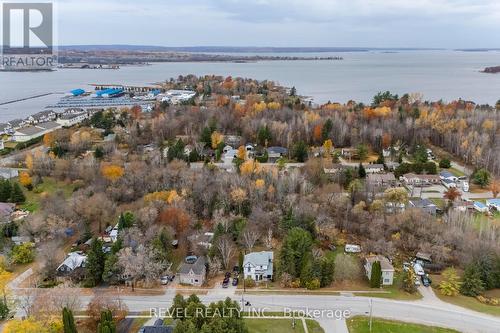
(424, 204)
(193, 274)
(385, 264)
(258, 266)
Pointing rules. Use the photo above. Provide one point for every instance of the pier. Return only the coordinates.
(25, 98)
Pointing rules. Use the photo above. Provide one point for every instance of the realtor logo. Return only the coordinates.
(27, 36)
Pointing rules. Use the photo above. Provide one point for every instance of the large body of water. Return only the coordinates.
(446, 75)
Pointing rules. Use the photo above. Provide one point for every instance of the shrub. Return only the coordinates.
(23, 254)
(445, 163)
(313, 284)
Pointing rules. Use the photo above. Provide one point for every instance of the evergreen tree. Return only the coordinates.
(68, 321)
(95, 263)
(472, 284)
(381, 159)
(106, 325)
(17, 195)
(264, 136)
(5, 190)
(361, 171)
(327, 268)
(376, 276)
(4, 309)
(300, 151)
(99, 153)
(326, 129)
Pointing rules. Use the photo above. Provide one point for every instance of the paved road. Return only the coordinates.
(425, 312)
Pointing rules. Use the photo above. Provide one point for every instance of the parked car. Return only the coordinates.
(227, 275)
(352, 248)
(419, 270)
(164, 280)
(426, 280)
(172, 278)
(235, 281)
(225, 283)
(191, 259)
(465, 186)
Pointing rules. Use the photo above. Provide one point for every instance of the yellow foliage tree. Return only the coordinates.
(250, 167)
(488, 125)
(167, 196)
(217, 138)
(242, 153)
(327, 147)
(259, 107)
(260, 183)
(25, 179)
(29, 161)
(48, 139)
(273, 106)
(31, 325)
(112, 172)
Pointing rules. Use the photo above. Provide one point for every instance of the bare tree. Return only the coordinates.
(269, 238)
(226, 249)
(250, 236)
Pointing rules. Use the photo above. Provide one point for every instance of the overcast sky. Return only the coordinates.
(363, 23)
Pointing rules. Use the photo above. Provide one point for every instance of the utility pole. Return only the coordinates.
(371, 311)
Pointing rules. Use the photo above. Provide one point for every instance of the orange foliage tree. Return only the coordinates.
(176, 218)
(112, 172)
(25, 179)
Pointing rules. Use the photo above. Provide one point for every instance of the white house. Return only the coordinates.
(71, 119)
(229, 156)
(480, 207)
(385, 264)
(41, 117)
(73, 261)
(32, 132)
(448, 183)
(448, 175)
(258, 266)
(493, 203)
(374, 168)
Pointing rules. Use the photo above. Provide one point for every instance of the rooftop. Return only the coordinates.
(385, 264)
(197, 266)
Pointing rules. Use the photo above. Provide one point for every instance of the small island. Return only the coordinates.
(492, 70)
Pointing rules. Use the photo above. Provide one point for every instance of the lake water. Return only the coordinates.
(446, 75)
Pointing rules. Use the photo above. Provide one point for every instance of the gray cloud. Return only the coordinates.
(399, 23)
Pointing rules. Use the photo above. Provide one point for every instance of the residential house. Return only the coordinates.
(275, 153)
(203, 240)
(32, 132)
(392, 165)
(480, 207)
(8, 173)
(42, 117)
(493, 203)
(420, 180)
(258, 266)
(374, 168)
(447, 175)
(448, 183)
(16, 124)
(158, 327)
(335, 169)
(71, 119)
(229, 156)
(193, 273)
(424, 204)
(379, 182)
(5, 128)
(349, 152)
(73, 261)
(385, 264)
(19, 240)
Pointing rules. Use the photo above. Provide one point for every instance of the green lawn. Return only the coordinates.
(456, 172)
(313, 326)
(48, 186)
(393, 292)
(360, 325)
(465, 301)
(274, 326)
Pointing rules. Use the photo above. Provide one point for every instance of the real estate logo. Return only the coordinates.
(27, 36)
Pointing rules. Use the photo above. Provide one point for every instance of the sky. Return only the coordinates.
(286, 23)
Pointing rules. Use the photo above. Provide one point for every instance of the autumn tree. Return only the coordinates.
(112, 172)
(494, 187)
(482, 177)
(175, 217)
(25, 180)
(450, 286)
(452, 194)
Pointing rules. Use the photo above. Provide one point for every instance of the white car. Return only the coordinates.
(419, 270)
(352, 248)
(465, 186)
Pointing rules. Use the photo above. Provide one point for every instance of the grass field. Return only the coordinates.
(274, 326)
(468, 302)
(361, 325)
(48, 186)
